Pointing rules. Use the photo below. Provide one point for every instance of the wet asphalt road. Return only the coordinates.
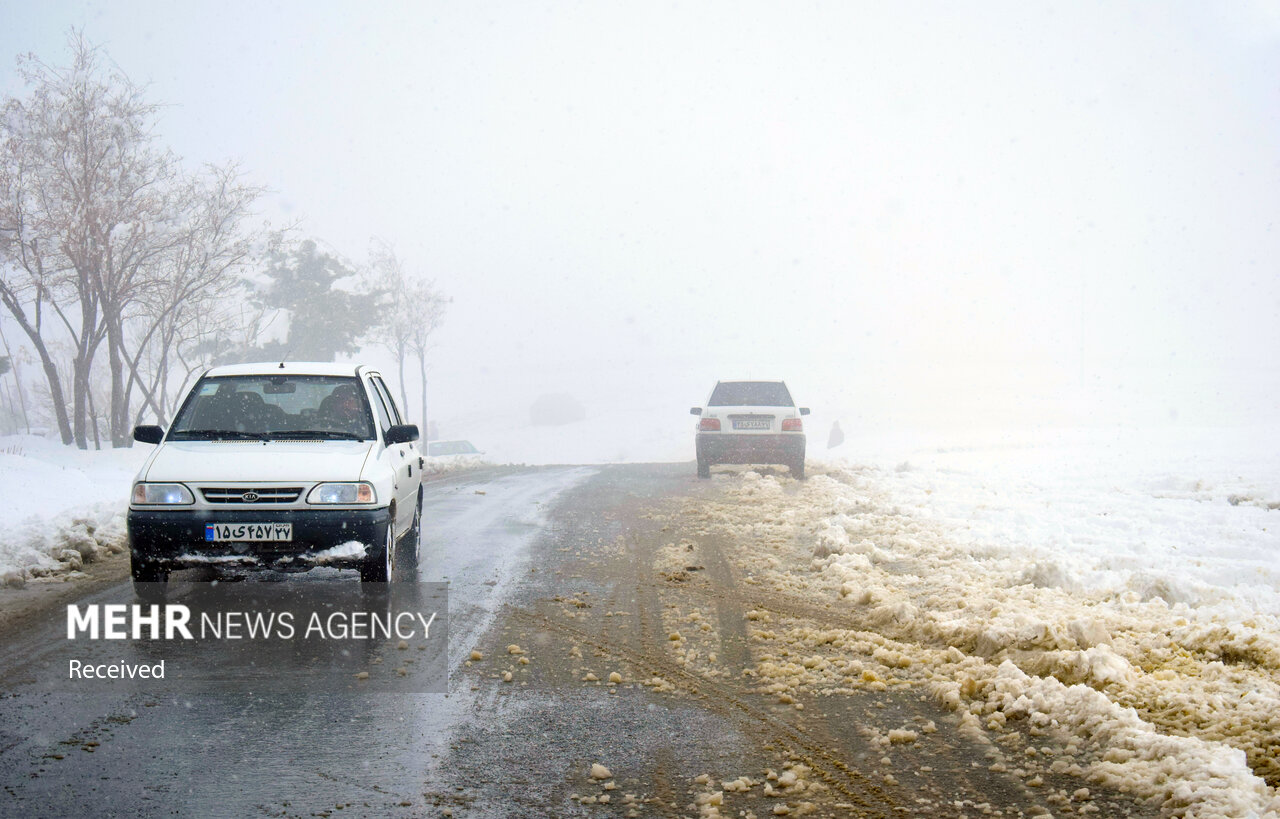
(224, 755)
(561, 562)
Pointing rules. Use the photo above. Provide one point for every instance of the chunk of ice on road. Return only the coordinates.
(351, 550)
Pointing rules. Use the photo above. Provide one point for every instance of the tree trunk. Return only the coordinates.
(93, 419)
(79, 399)
(422, 371)
(13, 416)
(82, 368)
(404, 394)
(17, 381)
(46, 363)
(118, 418)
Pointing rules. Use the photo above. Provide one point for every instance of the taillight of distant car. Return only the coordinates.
(709, 425)
(792, 425)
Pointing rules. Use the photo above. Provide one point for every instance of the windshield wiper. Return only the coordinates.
(317, 433)
(217, 435)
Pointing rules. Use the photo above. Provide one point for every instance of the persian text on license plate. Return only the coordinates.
(248, 531)
(751, 423)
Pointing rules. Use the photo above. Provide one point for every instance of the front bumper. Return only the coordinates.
(732, 448)
(175, 538)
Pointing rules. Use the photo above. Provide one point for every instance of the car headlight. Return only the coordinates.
(361, 492)
(161, 494)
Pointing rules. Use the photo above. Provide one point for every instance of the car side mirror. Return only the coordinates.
(804, 410)
(695, 410)
(148, 434)
(400, 434)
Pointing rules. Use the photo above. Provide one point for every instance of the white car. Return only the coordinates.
(281, 466)
(750, 422)
(447, 449)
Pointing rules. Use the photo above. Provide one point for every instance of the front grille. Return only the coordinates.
(256, 494)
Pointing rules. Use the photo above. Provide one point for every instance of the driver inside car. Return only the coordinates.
(343, 410)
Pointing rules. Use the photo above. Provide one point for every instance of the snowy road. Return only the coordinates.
(701, 640)
(68, 755)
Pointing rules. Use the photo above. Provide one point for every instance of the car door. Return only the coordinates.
(404, 460)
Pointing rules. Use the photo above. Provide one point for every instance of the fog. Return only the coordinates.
(927, 214)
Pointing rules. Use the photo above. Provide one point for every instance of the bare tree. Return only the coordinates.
(15, 360)
(397, 325)
(33, 274)
(198, 274)
(429, 305)
(412, 311)
(93, 204)
(103, 235)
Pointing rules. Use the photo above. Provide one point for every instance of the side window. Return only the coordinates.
(386, 396)
(384, 418)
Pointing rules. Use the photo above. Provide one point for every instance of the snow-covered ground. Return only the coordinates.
(62, 506)
(1116, 593)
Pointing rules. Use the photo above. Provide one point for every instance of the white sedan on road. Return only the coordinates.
(281, 466)
(750, 422)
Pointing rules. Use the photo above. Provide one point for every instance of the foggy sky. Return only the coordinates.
(922, 212)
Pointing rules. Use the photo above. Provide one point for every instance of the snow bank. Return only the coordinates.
(63, 507)
(447, 464)
(1102, 590)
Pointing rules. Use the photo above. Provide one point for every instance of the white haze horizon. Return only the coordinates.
(923, 215)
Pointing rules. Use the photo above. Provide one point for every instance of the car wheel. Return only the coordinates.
(797, 469)
(413, 537)
(704, 469)
(377, 566)
(150, 582)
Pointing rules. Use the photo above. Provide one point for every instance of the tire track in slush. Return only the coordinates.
(837, 740)
(647, 651)
(826, 736)
(819, 754)
(834, 771)
(951, 787)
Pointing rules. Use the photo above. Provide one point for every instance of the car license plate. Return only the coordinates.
(275, 532)
(751, 423)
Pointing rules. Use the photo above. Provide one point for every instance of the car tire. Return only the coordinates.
(704, 469)
(377, 566)
(150, 581)
(413, 537)
(797, 468)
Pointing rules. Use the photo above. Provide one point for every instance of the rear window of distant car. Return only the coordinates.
(750, 394)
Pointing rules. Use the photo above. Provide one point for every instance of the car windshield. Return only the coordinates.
(274, 407)
(750, 394)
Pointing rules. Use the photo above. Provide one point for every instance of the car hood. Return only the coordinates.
(258, 461)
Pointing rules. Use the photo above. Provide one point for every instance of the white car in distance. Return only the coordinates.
(750, 422)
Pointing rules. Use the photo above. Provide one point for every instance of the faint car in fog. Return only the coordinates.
(750, 422)
(444, 448)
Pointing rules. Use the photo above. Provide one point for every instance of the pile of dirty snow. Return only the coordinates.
(1116, 594)
(63, 507)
